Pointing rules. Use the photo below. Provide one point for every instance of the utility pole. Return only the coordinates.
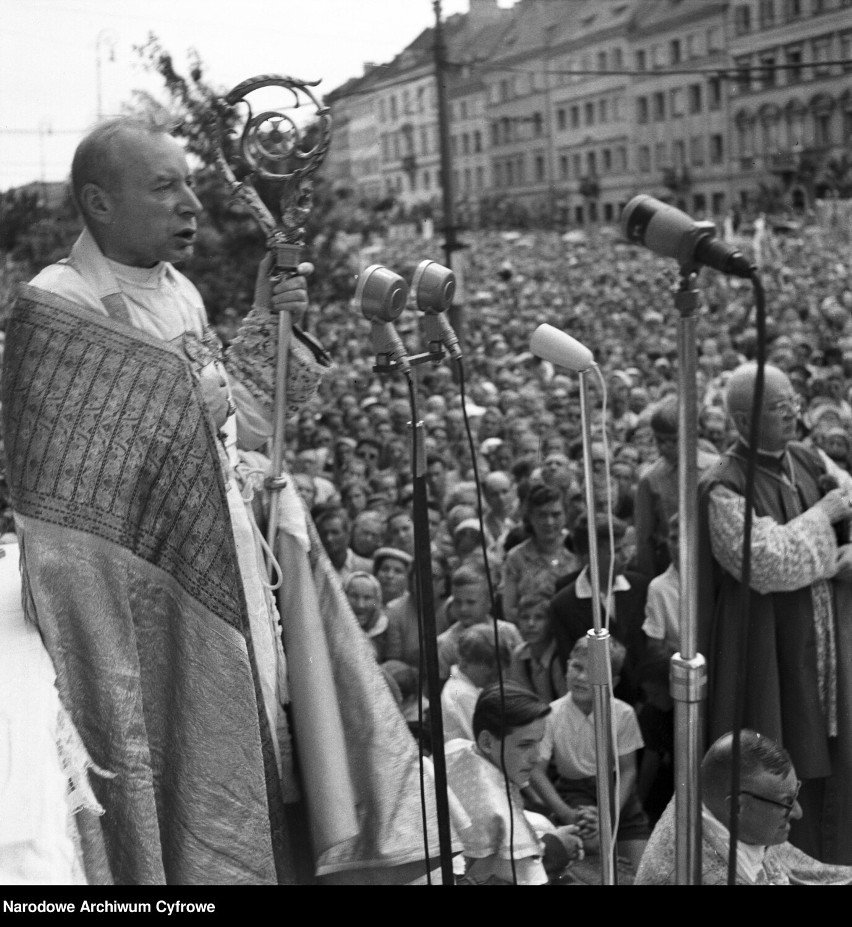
(451, 244)
(440, 53)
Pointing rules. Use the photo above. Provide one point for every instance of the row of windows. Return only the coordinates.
(771, 13)
(578, 165)
(471, 143)
(679, 101)
(801, 60)
(470, 180)
(601, 111)
(821, 128)
(412, 100)
(681, 153)
(407, 141)
(676, 51)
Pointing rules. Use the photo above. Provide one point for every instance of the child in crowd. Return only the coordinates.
(477, 668)
(470, 604)
(662, 607)
(535, 663)
(569, 743)
(504, 844)
(365, 596)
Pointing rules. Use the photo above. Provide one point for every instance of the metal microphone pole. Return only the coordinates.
(688, 667)
(599, 661)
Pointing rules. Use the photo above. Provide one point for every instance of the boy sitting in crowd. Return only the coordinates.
(569, 742)
(504, 844)
(477, 668)
(468, 605)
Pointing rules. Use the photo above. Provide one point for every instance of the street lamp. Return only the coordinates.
(105, 37)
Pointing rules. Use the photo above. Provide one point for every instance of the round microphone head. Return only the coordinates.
(434, 287)
(380, 294)
(561, 349)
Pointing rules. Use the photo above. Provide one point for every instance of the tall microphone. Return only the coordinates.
(553, 345)
(671, 233)
(434, 287)
(381, 295)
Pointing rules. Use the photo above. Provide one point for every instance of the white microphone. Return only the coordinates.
(669, 232)
(434, 287)
(553, 345)
(381, 295)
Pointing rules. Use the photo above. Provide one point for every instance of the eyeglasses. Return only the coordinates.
(787, 806)
(791, 405)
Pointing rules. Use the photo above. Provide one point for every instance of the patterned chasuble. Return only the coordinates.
(131, 575)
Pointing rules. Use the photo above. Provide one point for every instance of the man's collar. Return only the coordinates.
(583, 587)
(749, 856)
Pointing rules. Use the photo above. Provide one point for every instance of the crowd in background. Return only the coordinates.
(507, 515)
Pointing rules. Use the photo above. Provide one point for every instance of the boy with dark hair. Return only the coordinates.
(504, 844)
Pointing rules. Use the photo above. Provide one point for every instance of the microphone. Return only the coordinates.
(671, 233)
(381, 295)
(434, 287)
(555, 346)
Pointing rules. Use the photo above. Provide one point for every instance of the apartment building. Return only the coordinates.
(561, 110)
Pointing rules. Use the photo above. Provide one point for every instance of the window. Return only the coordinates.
(382, 111)
(699, 203)
(477, 141)
(693, 46)
(846, 50)
(561, 120)
(641, 110)
(617, 59)
(577, 165)
(718, 200)
(607, 212)
(743, 65)
(592, 161)
(495, 134)
(538, 125)
(714, 93)
(498, 174)
(641, 59)
(563, 167)
(644, 159)
(656, 57)
(590, 113)
(606, 160)
(717, 149)
(504, 91)
(767, 73)
(467, 179)
(603, 110)
(427, 180)
(393, 108)
(621, 159)
(767, 13)
(676, 101)
(510, 173)
(742, 20)
(696, 150)
(480, 178)
(575, 117)
(659, 106)
(679, 153)
(675, 52)
(539, 168)
(793, 9)
(602, 61)
(793, 56)
(822, 128)
(695, 98)
(661, 156)
(454, 145)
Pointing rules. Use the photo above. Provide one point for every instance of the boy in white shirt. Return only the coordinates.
(569, 742)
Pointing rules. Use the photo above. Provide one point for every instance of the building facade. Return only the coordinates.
(559, 111)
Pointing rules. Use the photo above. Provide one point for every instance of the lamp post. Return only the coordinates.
(106, 37)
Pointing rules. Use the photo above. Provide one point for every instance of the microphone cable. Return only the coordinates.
(494, 624)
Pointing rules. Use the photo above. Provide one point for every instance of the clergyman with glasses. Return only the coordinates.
(798, 657)
(767, 807)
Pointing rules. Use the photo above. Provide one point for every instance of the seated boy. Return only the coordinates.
(504, 844)
(569, 741)
(662, 607)
(477, 668)
(469, 604)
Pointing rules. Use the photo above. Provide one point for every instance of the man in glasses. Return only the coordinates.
(766, 806)
(790, 660)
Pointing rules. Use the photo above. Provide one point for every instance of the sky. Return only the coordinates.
(64, 61)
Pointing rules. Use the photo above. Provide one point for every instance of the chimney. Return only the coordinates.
(369, 66)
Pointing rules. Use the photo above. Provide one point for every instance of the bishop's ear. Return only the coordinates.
(96, 203)
(485, 741)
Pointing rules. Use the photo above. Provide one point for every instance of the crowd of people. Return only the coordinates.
(509, 528)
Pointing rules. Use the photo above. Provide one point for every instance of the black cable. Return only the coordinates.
(495, 626)
(745, 572)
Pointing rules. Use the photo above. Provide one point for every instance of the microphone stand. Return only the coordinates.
(426, 608)
(600, 668)
(688, 668)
